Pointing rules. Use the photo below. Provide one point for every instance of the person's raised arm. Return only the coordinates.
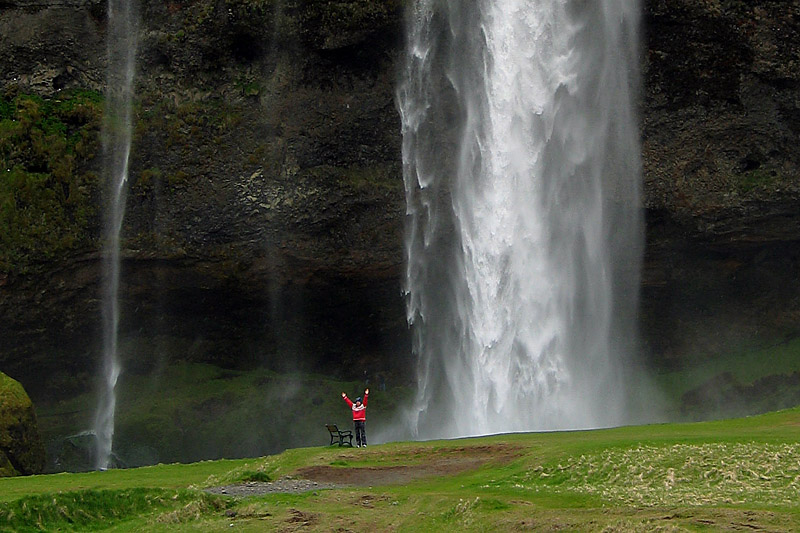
(366, 395)
(346, 399)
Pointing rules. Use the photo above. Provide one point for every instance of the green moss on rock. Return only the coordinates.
(21, 447)
(45, 188)
(760, 178)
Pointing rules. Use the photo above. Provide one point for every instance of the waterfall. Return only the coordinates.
(117, 128)
(522, 171)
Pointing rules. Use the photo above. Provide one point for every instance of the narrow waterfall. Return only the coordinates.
(117, 128)
(524, 235)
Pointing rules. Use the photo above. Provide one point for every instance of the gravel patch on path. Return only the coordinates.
(257, 488)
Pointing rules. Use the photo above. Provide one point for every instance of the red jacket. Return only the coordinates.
(359, 412)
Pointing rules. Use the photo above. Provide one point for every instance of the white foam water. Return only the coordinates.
(117, 129)
(524, 235)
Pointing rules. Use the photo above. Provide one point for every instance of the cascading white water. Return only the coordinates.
(524, 233)
(122, 41)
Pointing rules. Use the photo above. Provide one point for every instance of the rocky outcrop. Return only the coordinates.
(52, 44)
(721, 120)
(266, 207)
(21, 447)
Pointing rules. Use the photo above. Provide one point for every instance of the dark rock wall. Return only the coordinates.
(264, 219)
(265, 213)
(722, 176)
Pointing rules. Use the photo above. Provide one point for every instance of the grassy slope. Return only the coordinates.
(733, 474)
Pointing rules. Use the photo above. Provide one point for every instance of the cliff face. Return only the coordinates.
(721, 175)
(264, 219)
(265, 213)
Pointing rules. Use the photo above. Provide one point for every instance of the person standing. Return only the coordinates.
(359, 417)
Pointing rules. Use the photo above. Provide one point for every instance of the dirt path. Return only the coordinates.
(413, 464)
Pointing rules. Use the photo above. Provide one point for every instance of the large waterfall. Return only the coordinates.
(524, 237)
(117, 128)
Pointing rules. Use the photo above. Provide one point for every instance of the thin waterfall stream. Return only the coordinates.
(117, 129)
(524, 234)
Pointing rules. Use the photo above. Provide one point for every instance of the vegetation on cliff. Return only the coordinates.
(47, 187)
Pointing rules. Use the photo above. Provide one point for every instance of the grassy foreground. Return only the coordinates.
(724, 475)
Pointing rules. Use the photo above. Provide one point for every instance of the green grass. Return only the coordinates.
(722, 475)
(172, 476)
(759, 178)
(97, 509)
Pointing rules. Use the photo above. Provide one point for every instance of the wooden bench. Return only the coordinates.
(336, 433)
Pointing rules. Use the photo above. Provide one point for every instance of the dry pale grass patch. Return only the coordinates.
(248, 470)
(682, 474)
(193, 510)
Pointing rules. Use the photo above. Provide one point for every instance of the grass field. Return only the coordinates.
(740, 474)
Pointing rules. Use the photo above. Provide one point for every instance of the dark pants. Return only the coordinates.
(361, 435)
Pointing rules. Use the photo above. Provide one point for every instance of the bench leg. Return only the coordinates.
(341, 437)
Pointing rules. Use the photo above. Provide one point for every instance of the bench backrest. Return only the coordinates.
(332, 428)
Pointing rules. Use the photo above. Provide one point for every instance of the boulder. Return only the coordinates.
(21, 447)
